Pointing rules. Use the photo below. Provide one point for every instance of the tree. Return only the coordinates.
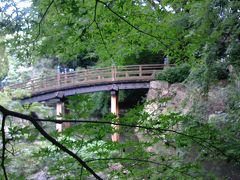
(122, 27)
(115, 30)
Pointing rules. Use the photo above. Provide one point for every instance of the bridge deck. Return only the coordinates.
(90, 77)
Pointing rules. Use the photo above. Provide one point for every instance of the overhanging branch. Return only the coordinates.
(3, 146)
(100, 32)
(42, 18)
(131, 25)
(137, 160)
(195, 139)
(6, 112)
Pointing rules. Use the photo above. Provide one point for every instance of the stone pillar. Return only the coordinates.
(115, 110)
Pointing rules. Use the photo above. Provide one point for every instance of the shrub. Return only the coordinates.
(174, 74)
(203, 76)
(220, 71)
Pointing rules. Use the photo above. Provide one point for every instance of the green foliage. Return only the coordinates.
(84, 105)
(185, 31)
(203, 76)
(233, 104)
(128, 159)
(174, 74)
(8, 100)
(145, 57)
(162, 148)
(220, 71)
(4, 64)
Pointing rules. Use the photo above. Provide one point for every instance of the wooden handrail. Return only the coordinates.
(145, 72)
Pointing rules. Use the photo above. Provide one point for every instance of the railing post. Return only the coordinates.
(85, 75)
(42, 83)
(166, 62)
(154, 74)
(58, 76)
(65, 78)
(58, 79)
(114, 73)
(45, 83)
(140, 70)
(32, 85)
(99, 74)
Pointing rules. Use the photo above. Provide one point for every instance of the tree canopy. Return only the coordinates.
(114, 30)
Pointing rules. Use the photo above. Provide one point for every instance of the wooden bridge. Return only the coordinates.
(89, 80)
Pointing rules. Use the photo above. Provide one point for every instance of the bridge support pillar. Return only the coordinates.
(61, 110)
(115, 110)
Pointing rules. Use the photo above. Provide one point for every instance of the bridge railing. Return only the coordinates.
(90, 77)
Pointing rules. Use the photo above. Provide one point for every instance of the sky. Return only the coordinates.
(19, 3)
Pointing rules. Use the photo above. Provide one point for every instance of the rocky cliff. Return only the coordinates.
(211, 107)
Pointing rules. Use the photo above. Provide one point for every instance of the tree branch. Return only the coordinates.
(138, 160)
(3, 146)
(130, 24)
(195, 139)
(89, 25)
(100, 32)
(81, 173)
(47, 136)
(34, 121)
(42, 18)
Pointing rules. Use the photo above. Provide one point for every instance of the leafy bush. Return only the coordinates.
(203, 76)
(174, 74)
(220, 71)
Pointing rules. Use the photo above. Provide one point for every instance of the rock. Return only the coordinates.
(217, 98)
(177, 93)
(207, 108)
(159, 85)
(41, 175)
(115, 166)
(157, 89)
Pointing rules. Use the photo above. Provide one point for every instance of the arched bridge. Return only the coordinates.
(89, 80)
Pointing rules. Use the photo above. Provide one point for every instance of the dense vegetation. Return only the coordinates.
(201, 37)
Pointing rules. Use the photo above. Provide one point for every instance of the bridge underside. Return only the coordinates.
(50, 95)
